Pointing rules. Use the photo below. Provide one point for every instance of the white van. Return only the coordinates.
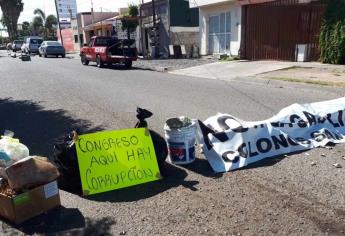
(31, 44)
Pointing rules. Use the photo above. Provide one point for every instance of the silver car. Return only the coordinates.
(16, 45)
(51, 48)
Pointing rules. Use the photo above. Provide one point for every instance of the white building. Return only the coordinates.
(220, 26)
(67, 10)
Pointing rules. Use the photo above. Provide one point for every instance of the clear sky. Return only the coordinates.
(48, 7)
(83, 5)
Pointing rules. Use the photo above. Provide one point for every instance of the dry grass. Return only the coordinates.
(306, 81)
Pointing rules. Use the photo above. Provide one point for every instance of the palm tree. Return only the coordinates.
(50, 24)
(40, 13)
(11, 10)
(37, 26)
(46, 23)
(38, 22)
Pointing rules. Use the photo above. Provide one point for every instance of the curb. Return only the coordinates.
(161, 69)
(153, 68)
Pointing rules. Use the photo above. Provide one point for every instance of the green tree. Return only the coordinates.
(25, 31)
(332, 36)
(11, 10)
(26, 25)
(130, 20)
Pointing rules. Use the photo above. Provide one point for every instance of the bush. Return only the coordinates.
(130, 21)
(332, 36)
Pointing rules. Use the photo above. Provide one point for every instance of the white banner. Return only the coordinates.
(230, 143)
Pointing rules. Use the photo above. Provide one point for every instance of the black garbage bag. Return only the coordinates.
(66, 160)
(159, 142)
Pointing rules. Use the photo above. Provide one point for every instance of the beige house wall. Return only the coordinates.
(206, 11)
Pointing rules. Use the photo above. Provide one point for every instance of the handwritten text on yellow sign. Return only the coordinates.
(116, 159)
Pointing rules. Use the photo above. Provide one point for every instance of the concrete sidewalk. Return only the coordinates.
(230, 70)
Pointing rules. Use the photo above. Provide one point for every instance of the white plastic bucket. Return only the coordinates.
(181, 144)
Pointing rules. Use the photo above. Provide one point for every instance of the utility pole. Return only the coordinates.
(58, 19)
(153, 13)
(101, 22)
(141, 27)
(92, 18)
(154, 28)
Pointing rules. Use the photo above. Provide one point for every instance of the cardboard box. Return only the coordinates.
(31, 203)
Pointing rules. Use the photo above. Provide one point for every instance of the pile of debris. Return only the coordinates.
(22, 179)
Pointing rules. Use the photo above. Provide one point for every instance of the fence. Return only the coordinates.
(272, 30)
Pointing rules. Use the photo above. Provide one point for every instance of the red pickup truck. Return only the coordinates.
(108, 51)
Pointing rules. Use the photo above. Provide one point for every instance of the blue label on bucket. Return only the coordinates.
(192, 153)
(178, 153)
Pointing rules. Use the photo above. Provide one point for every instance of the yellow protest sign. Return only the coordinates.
(112, 160)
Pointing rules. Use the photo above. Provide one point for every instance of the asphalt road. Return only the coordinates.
(44, 99)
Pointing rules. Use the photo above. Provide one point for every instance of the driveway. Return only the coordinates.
(230, 70)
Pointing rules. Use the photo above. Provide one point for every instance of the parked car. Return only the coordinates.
(51, 48)
(108, 50)
(31, 44)
(16, 45)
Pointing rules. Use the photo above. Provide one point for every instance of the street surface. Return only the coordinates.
(44, 99)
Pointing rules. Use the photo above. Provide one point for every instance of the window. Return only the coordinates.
(81, 39)
(228, 22)
(162, 10)
(36, 41)
(53, 43)
(18, 42)
(76, 38)
(91, 43)
(102, 42)
(219, 35)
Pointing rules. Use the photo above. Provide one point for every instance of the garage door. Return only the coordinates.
(274, 30)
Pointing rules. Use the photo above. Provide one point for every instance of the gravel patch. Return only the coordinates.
(171, 64)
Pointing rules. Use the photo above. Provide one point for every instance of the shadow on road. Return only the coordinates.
(60, 220)
(57, 220)
(202, 167)
(123, 68)
(264, 163)
(97, 227)
(270, 161)
(172, 177)
(36, 127)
